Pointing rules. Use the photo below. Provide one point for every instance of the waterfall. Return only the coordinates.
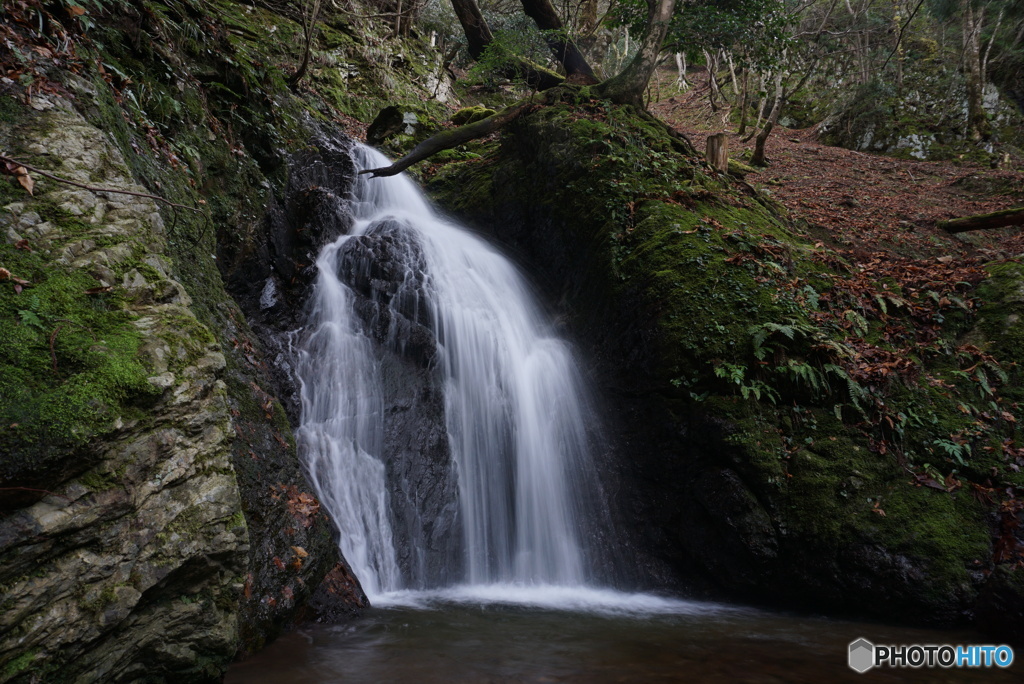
(515, 410)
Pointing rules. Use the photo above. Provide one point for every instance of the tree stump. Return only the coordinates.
(718, 152)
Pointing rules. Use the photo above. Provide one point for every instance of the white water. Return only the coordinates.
(578, 599)
(515, 410)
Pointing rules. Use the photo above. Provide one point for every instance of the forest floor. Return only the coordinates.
(858, 202)
(877, 214)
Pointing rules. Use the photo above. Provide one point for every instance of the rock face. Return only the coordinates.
(917, 121)
(385, 269)
(131, 568)
(128, 334)
(270, 277)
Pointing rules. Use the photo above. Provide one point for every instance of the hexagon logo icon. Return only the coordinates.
(862, 655)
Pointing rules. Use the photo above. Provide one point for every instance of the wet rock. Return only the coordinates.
(385, 269)
(270, 275)
(338, 597)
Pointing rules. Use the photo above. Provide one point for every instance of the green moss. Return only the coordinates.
(1000, 318)
(99, 481)
(468, 115)
(18, 665)
(188, 523)
(69, 367)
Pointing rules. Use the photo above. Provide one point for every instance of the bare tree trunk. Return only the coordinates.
(735, 82)
(744, 104)
(998, 219)
(977, 122)
(681, 81)
(899, 45)
(988, 49)
(627, 87)
(712, 66)
(758, 158)
(762, 101)
(310, 12)
(478, 33)
(557, 38)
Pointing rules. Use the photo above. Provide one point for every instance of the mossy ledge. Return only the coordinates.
(753, 458)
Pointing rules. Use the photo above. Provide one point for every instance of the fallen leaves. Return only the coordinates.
(19, 283)
(301, 505)
(24, 179)
(20, 174)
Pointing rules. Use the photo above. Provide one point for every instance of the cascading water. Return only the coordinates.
(514, 408)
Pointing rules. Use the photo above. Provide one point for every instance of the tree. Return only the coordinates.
(558, 39)
(479, 39)
(627, 87)
(309, 13)
(973, 20)
(982, 25)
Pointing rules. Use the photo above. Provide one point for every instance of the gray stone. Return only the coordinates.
(131, 570)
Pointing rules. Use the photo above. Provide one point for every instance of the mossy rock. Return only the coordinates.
(739, 169)
(742, 444)
(468, 115)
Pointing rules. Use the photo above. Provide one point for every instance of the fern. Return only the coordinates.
(982, 377)
(855, 392)
(803, 372)
(860, 324)
(955, 451)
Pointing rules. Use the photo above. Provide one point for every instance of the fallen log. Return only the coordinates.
(997, 219)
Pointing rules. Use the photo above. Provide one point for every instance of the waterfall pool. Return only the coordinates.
(502, 515)
(501, 635)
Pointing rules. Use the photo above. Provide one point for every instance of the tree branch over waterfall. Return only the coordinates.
(454, 137)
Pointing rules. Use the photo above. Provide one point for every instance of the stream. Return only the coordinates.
(505, 636)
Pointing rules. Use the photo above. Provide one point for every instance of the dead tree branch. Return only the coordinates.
(92, 188)
(446, 140)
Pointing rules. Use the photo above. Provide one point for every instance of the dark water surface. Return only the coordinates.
(460, 639)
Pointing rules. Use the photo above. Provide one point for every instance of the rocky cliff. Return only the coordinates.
(155, 521)
(124, 544)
